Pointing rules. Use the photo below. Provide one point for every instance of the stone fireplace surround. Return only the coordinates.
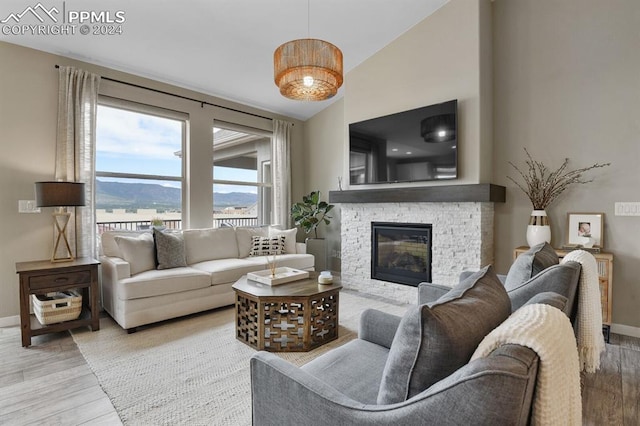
(462, 235)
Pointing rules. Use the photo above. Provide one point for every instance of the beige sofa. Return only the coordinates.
(135, 292)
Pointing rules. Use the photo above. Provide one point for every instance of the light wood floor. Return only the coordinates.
(50, 383)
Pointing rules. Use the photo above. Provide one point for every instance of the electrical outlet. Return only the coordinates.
(28, 206)
(336, 253)
(627, 209)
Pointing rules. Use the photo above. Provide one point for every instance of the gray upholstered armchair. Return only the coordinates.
(340, 387)
(354, 383)
(533, 272)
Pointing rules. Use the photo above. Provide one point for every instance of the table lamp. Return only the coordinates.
(60, 195)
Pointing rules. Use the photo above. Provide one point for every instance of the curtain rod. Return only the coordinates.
(202, 103)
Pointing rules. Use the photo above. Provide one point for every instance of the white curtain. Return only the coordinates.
(281, 173)
(75, 150)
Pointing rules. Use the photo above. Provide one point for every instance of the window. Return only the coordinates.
(139, 169)
(241, 176)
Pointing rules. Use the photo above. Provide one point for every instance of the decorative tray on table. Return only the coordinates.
(282, 275)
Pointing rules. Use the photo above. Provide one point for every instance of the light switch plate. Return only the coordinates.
(627, 209)
(27, 206)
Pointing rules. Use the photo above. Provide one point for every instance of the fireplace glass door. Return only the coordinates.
(401, 252)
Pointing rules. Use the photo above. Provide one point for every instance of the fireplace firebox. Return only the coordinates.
(401, 252)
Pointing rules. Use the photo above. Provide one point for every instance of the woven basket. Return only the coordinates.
(57, 307)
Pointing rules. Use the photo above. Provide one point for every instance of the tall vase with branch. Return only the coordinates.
(543, 186)
(272, 265)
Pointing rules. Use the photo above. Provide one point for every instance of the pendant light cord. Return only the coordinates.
(308, 18)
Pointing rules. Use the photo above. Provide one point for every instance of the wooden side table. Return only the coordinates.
(43, 276)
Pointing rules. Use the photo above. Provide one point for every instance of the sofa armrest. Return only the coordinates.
(114, 268)
(378, 327)
(301, 248)
(549, 298)
(430, 292)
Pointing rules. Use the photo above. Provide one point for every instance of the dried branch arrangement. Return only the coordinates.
(543, 186)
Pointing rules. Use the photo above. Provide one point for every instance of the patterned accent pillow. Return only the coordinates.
(169, 249)
(267, 246)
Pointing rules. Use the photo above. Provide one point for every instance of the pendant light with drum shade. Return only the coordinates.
(308, 69)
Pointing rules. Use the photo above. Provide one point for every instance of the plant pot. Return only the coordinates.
(317, 247)
(538, 230)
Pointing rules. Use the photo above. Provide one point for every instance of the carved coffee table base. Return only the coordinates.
(280, 323)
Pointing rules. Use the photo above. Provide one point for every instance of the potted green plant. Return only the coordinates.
(311, 212)
(308, 215)
(157, 223)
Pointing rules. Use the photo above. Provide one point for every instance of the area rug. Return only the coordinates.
(192, 371)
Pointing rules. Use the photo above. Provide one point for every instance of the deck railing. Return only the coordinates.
(137, 225)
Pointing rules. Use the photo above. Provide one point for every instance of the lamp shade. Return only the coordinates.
(59, 194)
(308, 69)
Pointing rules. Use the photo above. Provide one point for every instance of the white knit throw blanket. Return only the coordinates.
(589, 314)
(548, 332)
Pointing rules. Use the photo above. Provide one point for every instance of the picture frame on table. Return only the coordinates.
(585, 229)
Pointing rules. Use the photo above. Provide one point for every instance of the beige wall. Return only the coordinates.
(28, 114)
(567, 84)
(435, 61)
(562, 80)
(323, 160)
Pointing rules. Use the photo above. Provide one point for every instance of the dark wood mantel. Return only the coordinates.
(482, 192)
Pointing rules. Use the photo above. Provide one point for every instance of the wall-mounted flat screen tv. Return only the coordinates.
(416, 145)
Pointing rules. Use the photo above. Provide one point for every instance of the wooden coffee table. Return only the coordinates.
(293, 317)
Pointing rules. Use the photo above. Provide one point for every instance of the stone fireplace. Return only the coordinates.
(461, 234)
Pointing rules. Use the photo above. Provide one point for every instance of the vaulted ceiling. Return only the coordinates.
(220, 47)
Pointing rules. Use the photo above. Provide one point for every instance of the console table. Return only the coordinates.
(43, 276)
(605, 277)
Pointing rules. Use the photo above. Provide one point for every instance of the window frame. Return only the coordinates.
(145, 109)
(260, 186)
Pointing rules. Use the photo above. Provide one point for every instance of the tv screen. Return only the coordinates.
(416, 145)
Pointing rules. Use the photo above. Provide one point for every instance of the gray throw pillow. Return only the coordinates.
(434, 340)
(530, 263)
(169, 249)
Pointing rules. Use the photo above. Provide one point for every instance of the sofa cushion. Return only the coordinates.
(244, 238)
(530, 263)
(289, 238)
(210, 244)
(267, 246)
(354, 369)
(169, 249)
(434, 340)
(157, 283)
(225, 271)
(138, 251)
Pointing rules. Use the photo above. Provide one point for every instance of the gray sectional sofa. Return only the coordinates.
(143, 284)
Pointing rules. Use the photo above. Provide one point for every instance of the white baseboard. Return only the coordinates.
(627, 330)
(10, 321)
